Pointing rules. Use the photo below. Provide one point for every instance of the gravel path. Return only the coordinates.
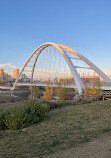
(97, 148)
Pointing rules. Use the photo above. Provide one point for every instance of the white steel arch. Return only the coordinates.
(74, 73)
(88, 62)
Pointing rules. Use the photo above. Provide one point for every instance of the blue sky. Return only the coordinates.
(84, 25)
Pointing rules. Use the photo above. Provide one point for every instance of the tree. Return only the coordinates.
(62, 92)
(34, 91)
(87, 91)
(48, 93)
(98, 88)
(94, 90)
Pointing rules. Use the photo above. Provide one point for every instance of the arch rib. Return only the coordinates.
(75, 75)
(88, 62)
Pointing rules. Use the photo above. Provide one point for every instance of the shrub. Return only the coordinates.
(2, 120)
(53, 105)
(23, 116)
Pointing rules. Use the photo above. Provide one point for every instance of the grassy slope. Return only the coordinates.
(64, 128)
(8, 102)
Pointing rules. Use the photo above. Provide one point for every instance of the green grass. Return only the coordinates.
(64, 128)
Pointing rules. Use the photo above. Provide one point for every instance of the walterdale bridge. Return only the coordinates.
(56, 61)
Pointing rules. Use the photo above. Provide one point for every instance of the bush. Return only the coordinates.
(2, 120)
(53, 105)
(22, 116)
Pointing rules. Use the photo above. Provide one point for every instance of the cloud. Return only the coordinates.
(8, 65)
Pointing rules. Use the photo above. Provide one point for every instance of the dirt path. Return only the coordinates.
(98, 148)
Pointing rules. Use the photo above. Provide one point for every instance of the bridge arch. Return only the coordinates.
(88, 62)
(73, 70)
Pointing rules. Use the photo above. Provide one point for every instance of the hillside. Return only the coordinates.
(65, 127)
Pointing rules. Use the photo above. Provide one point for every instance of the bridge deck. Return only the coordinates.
(71, 85)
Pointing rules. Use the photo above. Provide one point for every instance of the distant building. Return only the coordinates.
(15, 73)
(90, 79)
(8, 77)
(2, 74)
(83, 78)
(1, 71)
(66, 79)
(24, 78)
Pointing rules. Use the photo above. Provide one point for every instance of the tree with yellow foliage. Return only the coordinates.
(94, 90)
(34, 90)
(48, 93)
(62, 92)
(87, 91)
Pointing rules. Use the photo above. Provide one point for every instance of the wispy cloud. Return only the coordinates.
(8, 65)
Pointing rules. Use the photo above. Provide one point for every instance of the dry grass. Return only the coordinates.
(63, 128)
(7, 102)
